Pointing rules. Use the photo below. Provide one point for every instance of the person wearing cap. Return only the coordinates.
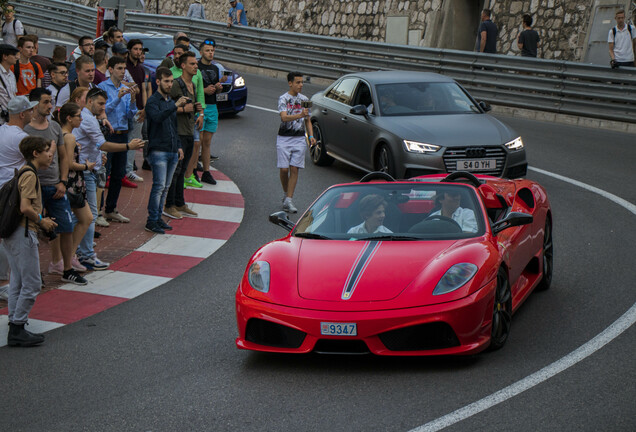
(119, 49)
(8, 86)
(11, 133)
(101, 45)
(196, 10)
(12, 29)
(236, 15)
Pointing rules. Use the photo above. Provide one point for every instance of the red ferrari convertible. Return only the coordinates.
(432, 265)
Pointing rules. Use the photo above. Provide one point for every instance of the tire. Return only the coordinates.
(318, 152)
(502, 312)
(548, 257)
(384, 161)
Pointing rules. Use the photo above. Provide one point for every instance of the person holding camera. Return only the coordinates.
(22, 245)
(290, 141)
(8, 85)
(187, 119)
(164, 146)
(622, 42)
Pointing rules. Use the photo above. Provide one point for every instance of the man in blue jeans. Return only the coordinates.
(89, 136)
(164, 146)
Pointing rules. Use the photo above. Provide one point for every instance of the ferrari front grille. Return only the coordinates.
(454, 154)
(421, 337)
(268, 333)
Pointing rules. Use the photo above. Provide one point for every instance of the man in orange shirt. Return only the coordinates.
(29, 74)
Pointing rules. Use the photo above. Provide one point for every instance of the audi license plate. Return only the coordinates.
(338, 329)
(477, 165)
(221, 97)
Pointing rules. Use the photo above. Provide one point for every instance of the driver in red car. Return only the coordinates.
(449, 202)
(372, 210)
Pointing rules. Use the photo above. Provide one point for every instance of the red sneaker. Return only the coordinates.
(127, 183)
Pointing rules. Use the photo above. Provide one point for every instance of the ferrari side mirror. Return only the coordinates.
(512, 219)
(280, 218)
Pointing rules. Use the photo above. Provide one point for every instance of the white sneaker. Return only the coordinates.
(132, 176)
(116, 217)
(101, 221)
(289, 207)
(56, 268)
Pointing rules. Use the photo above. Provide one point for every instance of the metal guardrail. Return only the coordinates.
(58, 16)
(546, 85)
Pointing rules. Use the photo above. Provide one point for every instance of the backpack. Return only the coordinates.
(23, 29)
(629, 30)
(16, 69)
(10, 215)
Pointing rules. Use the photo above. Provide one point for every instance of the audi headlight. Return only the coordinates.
(239, 82)
(515, 144)
(258, 276)
(455, 277)
(418, 147)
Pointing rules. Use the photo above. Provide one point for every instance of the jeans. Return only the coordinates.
(163, 166)
(26, 282)
(134, 132)
(85, 248)
(175, 196)
(117, 172)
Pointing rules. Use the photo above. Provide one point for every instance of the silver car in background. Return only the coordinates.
(409, 124)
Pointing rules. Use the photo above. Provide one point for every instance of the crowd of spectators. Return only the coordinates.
(91, 115)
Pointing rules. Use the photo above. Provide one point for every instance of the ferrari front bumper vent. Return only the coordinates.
(267, 333)
(429, 336)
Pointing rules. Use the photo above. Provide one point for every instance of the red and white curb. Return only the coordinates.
(162, 258)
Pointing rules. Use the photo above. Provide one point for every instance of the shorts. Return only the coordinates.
(291, 151)
(58, 209)
(211, 121)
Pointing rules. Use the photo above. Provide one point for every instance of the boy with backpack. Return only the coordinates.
(22, 244)
(622, 42)
(28, 73)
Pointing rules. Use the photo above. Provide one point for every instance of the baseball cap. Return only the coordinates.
(20, 104)
(120, 48)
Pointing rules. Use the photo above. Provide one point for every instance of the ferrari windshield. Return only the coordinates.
(422, 98)
(395, 212)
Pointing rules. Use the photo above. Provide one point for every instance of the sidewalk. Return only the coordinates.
(140, 260)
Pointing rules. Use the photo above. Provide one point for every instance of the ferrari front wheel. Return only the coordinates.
(548, 256)
(502, 312)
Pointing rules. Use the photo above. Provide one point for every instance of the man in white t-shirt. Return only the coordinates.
(622, 42)
(290, 141)
(12, 29)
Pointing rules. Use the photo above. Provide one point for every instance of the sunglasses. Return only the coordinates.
(209, 42)
(96, 92)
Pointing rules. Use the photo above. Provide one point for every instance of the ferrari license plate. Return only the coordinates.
(338, 329)
(476, 165)
(221, 97)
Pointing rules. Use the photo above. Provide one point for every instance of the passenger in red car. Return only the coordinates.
(372, 210)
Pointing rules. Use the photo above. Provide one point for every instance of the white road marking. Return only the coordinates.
(264, 109)
(117, 283)
(171, 244)
(219, 213)
(599, 341)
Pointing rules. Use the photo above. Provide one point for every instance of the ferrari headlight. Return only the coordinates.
(515, 144)
(239, 82)
(455, 277)
(259, 276)
(418, 147)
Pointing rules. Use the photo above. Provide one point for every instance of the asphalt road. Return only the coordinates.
(167, 360)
